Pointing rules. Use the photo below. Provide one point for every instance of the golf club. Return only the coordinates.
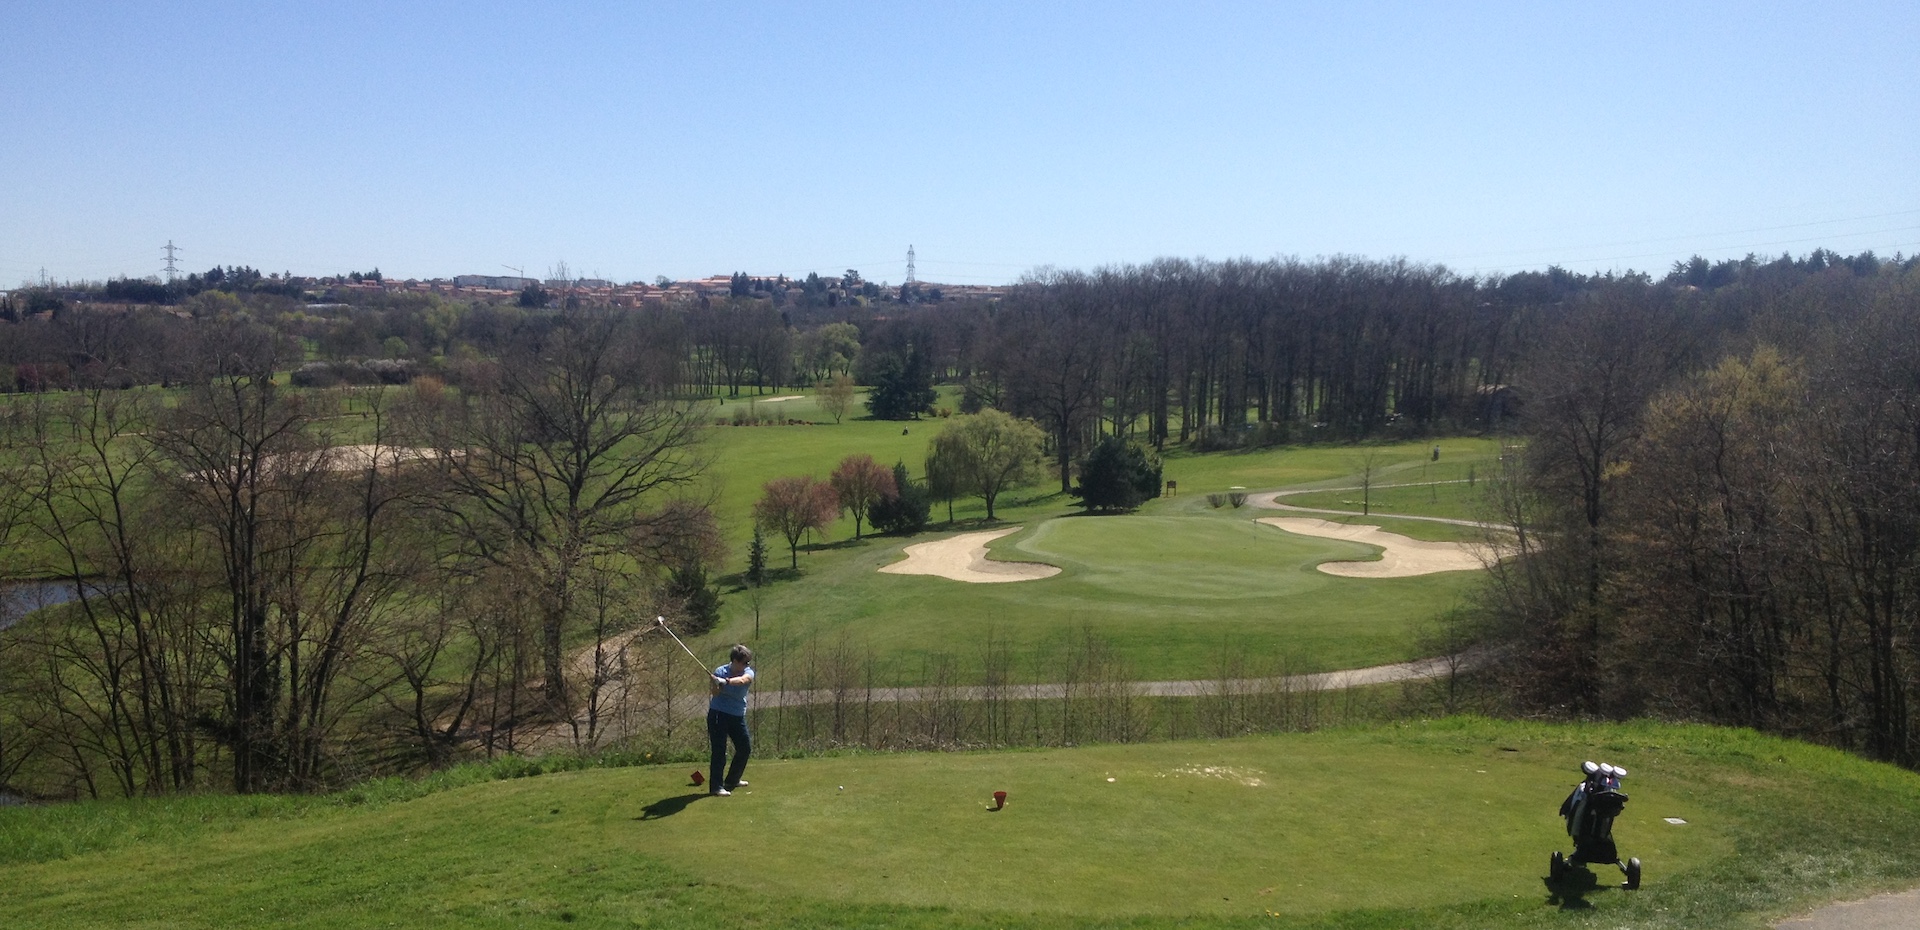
(661, 622)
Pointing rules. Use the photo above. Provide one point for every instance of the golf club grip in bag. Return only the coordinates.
(1590, 812)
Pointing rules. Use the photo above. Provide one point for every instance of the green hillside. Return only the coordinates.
(1444, 824)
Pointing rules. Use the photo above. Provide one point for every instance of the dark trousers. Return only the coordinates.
(722, 726)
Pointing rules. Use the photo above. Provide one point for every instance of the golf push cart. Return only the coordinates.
(1589, 811)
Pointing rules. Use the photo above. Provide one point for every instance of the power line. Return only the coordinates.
(172, 272)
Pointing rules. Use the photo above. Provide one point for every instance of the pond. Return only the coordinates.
(19, 598)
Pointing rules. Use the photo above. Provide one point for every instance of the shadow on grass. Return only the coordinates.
(1570, 891)
(667, 807)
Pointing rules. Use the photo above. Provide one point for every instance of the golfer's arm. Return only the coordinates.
(738, 680)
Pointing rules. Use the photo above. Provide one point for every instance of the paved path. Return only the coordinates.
(1271, 500)
(1325, 681)
(1898, 911)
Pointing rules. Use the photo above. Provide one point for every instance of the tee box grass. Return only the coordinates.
(1439, 824)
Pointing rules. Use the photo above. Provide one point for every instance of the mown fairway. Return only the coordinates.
(1444, 824)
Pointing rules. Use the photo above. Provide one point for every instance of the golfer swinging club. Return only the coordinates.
(727, 720)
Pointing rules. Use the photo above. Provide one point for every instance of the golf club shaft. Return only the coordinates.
(689, 652)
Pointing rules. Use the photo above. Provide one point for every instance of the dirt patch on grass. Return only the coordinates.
(1402, 556)
(1248, 777)
(964, 558)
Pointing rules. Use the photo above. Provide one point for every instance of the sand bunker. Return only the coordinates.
(775, 400)
(964, 558)
(360, 457)
(1403, 557)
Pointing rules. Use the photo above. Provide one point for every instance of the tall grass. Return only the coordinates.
(833, 694)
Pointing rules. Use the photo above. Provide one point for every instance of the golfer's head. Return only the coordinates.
(740, 655)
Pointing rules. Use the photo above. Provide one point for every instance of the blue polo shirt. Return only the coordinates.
(732, 699)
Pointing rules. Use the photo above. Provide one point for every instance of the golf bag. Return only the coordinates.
(1589, 812)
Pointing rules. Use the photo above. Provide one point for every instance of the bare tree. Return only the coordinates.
(240, 464)
(110, 540)
(554, 460)
(859, 482)
(794, 507)
(1052, 362)
(1368, 466)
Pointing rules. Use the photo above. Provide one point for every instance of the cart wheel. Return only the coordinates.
(1557, 866)
(1633, 873)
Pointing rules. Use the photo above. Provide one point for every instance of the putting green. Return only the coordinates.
(1169, 591)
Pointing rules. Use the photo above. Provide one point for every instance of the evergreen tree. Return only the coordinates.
(688, 585)
(757, 558)
(1117, 475)
(902, 389)
(907, 510)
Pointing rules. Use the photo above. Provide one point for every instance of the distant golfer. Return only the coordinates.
(727, 720)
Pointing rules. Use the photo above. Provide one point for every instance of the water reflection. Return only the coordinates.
(19, 598)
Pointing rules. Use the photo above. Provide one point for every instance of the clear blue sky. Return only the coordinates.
(640, 139)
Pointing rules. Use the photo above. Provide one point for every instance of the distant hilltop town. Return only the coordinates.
(739, 284)
(813, 290)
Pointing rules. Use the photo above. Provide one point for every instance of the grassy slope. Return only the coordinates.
(1433, 825)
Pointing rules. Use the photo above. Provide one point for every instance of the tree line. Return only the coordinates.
(1715, 496)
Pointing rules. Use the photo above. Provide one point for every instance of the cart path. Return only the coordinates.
(1894, 911)
(1324, 681)
(1271, 501)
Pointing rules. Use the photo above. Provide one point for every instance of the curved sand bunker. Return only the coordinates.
(964, 558)
(1402, 557)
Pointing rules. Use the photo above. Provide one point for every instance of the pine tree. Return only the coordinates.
(701, 605)
(757, 559)
(1117, 475)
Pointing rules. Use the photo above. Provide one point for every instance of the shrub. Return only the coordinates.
(1117, 475)
(905, 512)
(315, 375)
(390, 370)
